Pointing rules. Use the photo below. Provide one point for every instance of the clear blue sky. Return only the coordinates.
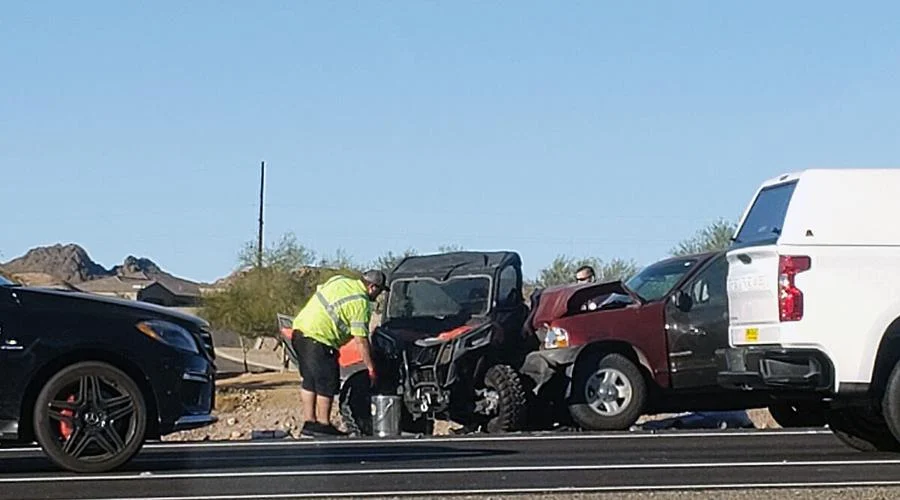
(606, 129)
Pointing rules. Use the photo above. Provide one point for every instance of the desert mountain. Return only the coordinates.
(71, 263)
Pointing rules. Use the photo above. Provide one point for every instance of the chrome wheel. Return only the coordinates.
(608, 392)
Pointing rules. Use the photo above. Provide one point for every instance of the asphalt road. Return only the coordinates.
(452, 465)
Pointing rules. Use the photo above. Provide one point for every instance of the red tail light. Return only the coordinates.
(790, 298)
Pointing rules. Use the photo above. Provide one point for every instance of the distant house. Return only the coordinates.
(156, 289)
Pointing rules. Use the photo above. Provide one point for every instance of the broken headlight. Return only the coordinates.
(553, 337)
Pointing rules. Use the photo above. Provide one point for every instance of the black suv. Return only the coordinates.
(91, 378)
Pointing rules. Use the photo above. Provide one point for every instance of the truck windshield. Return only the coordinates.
(416, 298)
(765, 219)
(655, 281)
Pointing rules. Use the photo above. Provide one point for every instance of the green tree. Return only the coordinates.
(562, 270)
(387, 261)
(286, 254)
(715, 236)
(341, 261)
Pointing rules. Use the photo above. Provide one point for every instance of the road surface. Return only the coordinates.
(480, 464)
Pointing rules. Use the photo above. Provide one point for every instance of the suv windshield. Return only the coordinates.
(655, 281)
(4, 281)
(766, 217)
(418, 298)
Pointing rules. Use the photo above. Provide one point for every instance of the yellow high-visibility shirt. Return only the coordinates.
(340, 309)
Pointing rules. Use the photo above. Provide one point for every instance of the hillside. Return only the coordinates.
(70, 263)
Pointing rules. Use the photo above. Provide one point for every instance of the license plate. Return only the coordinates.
(751, 334)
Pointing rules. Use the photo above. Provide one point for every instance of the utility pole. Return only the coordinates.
(262, 183)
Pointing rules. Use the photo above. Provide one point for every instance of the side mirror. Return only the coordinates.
(683, 301)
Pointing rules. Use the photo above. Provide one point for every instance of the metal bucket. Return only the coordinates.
(386, 415)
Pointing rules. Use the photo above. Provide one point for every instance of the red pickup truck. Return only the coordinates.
(611, 352)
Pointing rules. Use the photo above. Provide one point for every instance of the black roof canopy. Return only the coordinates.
(447, 265)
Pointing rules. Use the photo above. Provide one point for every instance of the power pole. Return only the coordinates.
(262, 183)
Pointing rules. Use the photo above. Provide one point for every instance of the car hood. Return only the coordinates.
(555, 302)
(37, 297)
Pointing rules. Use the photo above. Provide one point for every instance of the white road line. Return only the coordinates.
(521, 491)
(147, 476)
(455, 439)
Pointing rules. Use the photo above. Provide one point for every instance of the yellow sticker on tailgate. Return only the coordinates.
(751, 334)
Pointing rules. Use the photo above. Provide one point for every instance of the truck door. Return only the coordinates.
(697, 325)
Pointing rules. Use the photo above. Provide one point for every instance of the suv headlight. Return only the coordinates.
(554, 337)
(170, 334)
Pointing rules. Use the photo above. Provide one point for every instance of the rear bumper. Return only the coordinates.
(775, 368)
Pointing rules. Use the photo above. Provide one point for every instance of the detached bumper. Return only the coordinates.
(775, 368)
(544, 366)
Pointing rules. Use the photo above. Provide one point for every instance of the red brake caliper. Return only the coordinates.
(64, 428)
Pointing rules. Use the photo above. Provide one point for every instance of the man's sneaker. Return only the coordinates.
(331, 430)
(313, 429)
(310, 429)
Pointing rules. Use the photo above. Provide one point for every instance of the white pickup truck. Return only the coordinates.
(814, 300)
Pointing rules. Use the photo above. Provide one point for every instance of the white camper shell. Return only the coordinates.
(814, 293)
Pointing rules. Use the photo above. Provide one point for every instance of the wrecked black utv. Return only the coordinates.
(450, 345)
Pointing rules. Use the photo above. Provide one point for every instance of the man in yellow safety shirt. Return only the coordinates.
(339, 310)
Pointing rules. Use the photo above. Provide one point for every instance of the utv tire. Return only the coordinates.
(607, 395)
(90, 417)
(861, 430)
(356, 409)
(355, 404)
(790, 414)
(512, 405)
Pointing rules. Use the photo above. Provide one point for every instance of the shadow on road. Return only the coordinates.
(307, 458)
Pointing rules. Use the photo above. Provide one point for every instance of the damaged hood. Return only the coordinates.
(556, 302)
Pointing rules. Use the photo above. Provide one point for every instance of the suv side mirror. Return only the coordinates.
(683, 301)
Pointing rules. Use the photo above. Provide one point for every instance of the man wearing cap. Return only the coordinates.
(339, 310)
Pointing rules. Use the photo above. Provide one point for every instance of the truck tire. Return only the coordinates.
(90, 417)
(790, 414)
(890, 403)
(512, 400)
(607, 395)
(861, 429)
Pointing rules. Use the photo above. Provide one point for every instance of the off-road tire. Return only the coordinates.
(512, 408)
(579, 405)
(789, 414)
(51, 439)
(355, 404)
(861, 430)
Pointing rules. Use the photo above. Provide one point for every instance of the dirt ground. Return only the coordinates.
(269, 403)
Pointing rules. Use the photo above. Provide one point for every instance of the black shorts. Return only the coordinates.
(318, 365)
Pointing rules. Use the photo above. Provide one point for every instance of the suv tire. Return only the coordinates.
(512, 400)
(607, 395)
(90, 407)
